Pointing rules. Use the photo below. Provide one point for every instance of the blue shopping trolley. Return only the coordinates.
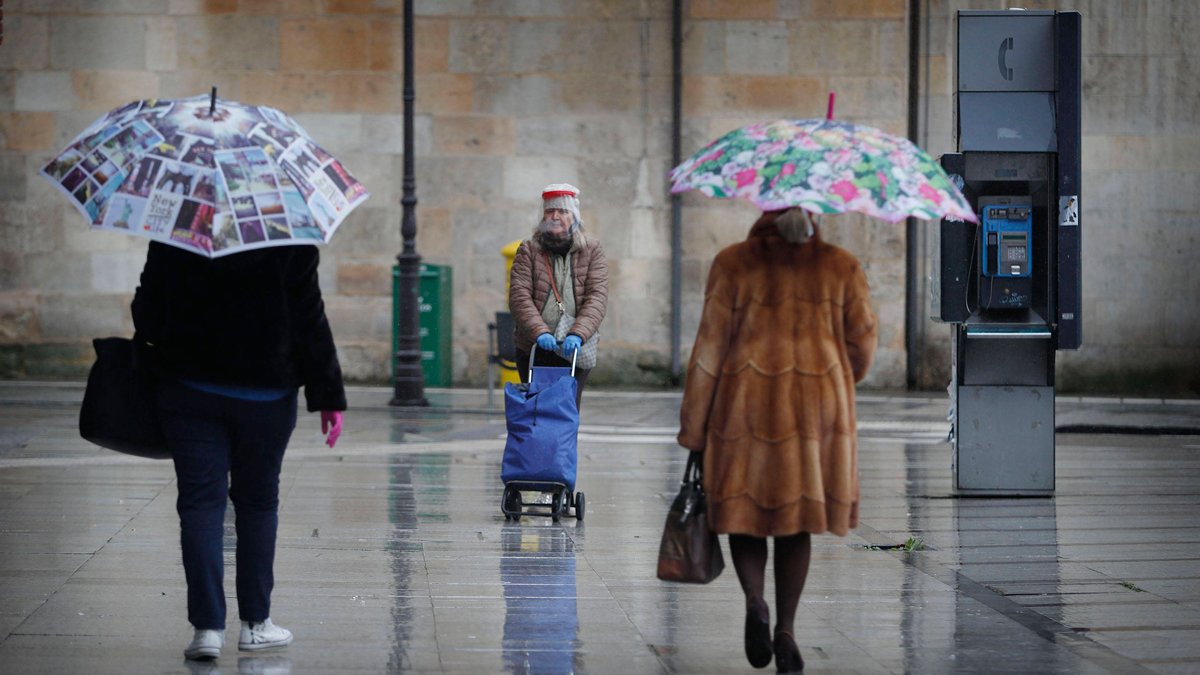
(541, 453)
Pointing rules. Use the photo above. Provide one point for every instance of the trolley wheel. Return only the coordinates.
(511, 504)
(579, 502)
(558, 505)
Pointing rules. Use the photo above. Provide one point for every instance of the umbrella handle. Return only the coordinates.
(828, 112)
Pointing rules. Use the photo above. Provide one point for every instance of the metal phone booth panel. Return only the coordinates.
(1011, 284)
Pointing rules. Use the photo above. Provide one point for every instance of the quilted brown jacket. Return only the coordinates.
(785, 333)
(529, 286)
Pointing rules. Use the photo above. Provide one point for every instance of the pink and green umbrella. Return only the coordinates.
(824, 166)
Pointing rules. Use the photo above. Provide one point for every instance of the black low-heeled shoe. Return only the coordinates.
(758, 634)
(787, 655)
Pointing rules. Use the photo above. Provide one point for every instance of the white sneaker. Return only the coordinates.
(206, 645)
(263, 635)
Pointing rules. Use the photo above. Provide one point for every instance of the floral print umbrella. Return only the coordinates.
(824, 166)
(210, 176)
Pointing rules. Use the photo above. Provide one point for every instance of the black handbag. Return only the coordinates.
(689, 552)
(118, 404)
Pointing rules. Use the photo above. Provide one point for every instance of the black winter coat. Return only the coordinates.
(252, 319)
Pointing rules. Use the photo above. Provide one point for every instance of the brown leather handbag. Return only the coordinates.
(690, 552)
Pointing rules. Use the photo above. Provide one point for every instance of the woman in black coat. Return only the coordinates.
(232, 340)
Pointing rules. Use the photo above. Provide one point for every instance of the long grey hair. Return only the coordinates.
(795, 225)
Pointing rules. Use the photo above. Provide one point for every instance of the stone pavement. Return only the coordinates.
(394, 556)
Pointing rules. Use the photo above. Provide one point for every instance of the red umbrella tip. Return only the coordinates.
(829, 111)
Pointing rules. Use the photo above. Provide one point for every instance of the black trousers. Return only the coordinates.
(226, 449)
(545, 358)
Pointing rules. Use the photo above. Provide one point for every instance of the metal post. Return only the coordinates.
(409, 382)
(913, 325)
(676, 217)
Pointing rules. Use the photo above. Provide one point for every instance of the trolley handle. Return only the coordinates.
(533, 351)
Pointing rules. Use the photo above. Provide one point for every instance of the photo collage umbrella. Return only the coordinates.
(210, 176)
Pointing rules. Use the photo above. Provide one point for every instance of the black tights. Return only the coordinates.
(792, 555)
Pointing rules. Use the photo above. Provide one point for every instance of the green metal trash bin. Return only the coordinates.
(435, 321)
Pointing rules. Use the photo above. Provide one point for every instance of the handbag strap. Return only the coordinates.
(553, 286)
(693, 472)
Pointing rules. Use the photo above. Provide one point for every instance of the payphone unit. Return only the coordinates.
(1004, 253)
(1010, 284)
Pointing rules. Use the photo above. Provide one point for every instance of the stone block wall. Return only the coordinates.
(748, 62)
(512, 95)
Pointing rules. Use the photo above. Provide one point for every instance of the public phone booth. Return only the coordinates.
(1010, 285)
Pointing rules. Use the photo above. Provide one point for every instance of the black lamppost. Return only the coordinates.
(408, 381)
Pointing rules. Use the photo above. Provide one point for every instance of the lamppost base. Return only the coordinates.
(408, 384)
(409, 397)
(409, 403)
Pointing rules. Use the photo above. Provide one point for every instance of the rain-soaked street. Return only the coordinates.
(394, 555)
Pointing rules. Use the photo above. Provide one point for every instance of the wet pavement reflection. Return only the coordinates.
(394, 555)
(402, 514)
(541, 616)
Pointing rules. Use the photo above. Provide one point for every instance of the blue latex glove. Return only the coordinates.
(546, 341)
(570, 344)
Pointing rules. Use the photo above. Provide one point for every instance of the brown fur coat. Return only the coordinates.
(785, 333)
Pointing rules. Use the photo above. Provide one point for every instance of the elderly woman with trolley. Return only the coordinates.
(558, 295)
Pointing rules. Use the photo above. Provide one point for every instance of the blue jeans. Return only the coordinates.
(212, 439)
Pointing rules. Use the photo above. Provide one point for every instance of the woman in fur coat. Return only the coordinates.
(786, 331)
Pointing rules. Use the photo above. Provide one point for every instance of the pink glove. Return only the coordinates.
(331, 424)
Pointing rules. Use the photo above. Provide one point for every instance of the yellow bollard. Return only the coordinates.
(509, 252)
(508, 369)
